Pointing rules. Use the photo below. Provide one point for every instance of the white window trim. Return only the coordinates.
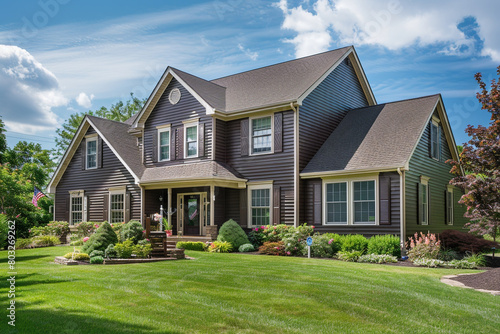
(424, 180)
(350, 200)
(116, 191)
(189, 124)
(160, 131)
(450, 215)
(258, 186)
(76, 194)
(250, 135)
(89, 140)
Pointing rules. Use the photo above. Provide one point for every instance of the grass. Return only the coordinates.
(236, 293)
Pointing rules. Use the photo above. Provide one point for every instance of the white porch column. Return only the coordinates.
(169, 207)
(212, 201)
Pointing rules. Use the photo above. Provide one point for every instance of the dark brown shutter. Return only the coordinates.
(105, 207)
(154, 146)
(317, 213)
(243, 208)
(439, 143)
(67, 211)
(431, 139)
(172, 145)
(180, 143)
(278, 132)
(201, 140)
(244, 137)
(83, 148)
(276, 205)
(428, 204)
(385, 200)
(100, 149)
(418, 201)
(446, 207)
(127, 206)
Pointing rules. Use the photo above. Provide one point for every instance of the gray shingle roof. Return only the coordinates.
(200, 170)
(380, 136)
(116, 133)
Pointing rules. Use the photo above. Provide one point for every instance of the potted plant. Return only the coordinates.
(168, 227)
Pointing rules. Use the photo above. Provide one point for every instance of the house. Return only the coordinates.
(299, 141)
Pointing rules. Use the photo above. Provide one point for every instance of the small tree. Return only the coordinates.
(480, 160)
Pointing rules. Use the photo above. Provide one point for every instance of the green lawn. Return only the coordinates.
(235, 293)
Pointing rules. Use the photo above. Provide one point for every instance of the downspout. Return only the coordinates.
(296, 182)
(402, 219)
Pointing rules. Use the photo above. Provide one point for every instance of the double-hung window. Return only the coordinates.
(350, 202)
(260, 205)
(76, 207)
(261, 130)
(117, 206)
(91, 153)
(424, 200)
(164, 144)
(191, 140)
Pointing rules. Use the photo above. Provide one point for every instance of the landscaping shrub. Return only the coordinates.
(378, 258)
(46, 240)
(423, 246)
(143, 251)
(246, 248)
(478, 259)
(144, 242)
(321, 247)
(101, 239)
(4, 228)
(384, 244)
(256, 236)
(85, 229)
(354, 242)
(430, 263)
(294, 244)
(78, 242)
(448, 255)
(117, 227)
(191, 245)
(59, 229)
(124, 250)
(273, 248)
(132, 230)
(78, 256)
(231, 232)
(335, 241)
(465, 242)
(110, 252)
(24, 243)
(277, 232)
(220, 247)
(96, 253)
(349, 256)
(97, 260)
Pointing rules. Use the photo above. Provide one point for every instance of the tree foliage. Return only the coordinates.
(480, 160)
(119, 111)
(3, 141)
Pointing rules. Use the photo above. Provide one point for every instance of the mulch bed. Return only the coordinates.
(489, 280)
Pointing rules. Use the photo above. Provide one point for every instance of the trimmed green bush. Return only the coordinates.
(246, 248)
(78, 242)
(110, 252)
(4, 228)
(78, 256)
(46, 240)
(321, 246)
(191, 245)
(24, 243)
(96, 253)
(354, 242)
(335, 240)
(97, 260)
(220, 247)
(384, 244)
(133, 231)
(231, 232)
(101, 239)
(142, 251)
(124, 250)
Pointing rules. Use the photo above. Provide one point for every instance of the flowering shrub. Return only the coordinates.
(335, 241)
(220, 247)
(275, 233)
(423, 246)
(85, 239)
(430, 263)
(86, 229)
(354, 242)
(384, 244)
(294, 245)
(321, 246)
(349, 256)
(273, 248)
(256, 236)
(378, 258)
(59, 229)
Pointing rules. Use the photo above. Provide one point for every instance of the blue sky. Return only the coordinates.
(62, 56)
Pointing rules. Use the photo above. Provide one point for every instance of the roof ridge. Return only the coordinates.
(392, 102)
(110, 120)
(209, 81)
(283, 62)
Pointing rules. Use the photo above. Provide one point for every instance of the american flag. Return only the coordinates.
(36, 196)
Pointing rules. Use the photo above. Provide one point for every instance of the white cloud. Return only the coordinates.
(28, 92)
(84, 100)
(393, 25)
(248, 53)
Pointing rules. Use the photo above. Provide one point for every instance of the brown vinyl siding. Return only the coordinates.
(421, 164)
(95, 183)
(320, 114)
(165, 113)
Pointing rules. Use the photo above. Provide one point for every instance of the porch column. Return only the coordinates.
(212, 201)
(169, 207)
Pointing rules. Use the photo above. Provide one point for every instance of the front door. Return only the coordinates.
(191, 214)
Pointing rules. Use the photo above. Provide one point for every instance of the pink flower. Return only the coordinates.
(288, 253)
(147, 240)
(143, 231)
(312, 226)
(85, 239)
(330, 241)
(19, 215)
(256, 229)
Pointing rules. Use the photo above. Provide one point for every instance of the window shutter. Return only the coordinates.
(278, 132)
(86, 209)
(276, 205)
(446, 207)
(100, 149)
(154, 138)
(180, 143)
(105, 207)
(243, 208)
(172, 145)
(68, 204)
(439, 143)
(83, 148)
(317, 214)
(428, 204)
(385, 200)
(419, 206)
(127, 206)
(244, 137)
(431, 139)
(201, 140)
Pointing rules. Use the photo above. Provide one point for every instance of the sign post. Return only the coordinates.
(309, 242)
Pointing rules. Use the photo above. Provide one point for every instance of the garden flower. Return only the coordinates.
(288, 253)
(143, 231)
(85, 239)
(330, 241)
(19, 215)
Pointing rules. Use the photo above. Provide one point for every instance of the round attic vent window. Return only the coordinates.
(174, 96)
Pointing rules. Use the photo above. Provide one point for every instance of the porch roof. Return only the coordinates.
(206, 172)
